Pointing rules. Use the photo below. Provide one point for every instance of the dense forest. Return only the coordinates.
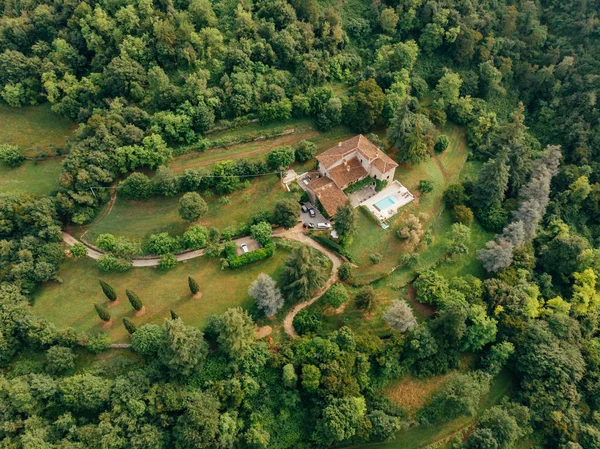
(147, 79)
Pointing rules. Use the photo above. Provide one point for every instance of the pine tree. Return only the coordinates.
(134, 299)
(194, 287)
(102, 312)
(174, 316)
(129, 325)
(491, 185)
(108, 290)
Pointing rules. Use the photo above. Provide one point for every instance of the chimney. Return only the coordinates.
(339, 144)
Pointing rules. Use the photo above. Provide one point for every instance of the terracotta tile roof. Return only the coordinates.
(361, 144)
(329, 194)
(348, 172)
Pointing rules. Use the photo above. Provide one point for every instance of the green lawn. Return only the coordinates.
(138, 219)
(71, 302)
(36, 129)
(423, 436)
(252, 151)
(36, 178)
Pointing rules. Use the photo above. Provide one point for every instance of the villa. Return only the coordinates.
(345, 164)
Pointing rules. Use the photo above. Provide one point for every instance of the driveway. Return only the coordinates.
(306, 218)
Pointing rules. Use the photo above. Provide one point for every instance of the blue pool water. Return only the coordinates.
(386, 202)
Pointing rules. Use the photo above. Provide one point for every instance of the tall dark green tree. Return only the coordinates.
(344, 221)
(102, 312)
(129, 325)
(193, 284)
(490, 188)
(302, 275)
(109, 292)
(135, 300)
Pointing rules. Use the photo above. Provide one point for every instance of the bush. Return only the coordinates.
(192, 206)
(336, 295)
(167, 261)
(306, 322)
(462, 214)
(380, 184)
(109, 262)
(305, 151)
(454, 195)
(375, 258)
(261, 232)
(236, 261)
(359, 185)
(147, 339)
(425, 186)
(11, 155)
(78, 250)
(195, 237)
(492, 219)
(442, 143)
(106, 242)
(97, 343)
(59, 360)
(345, 272)
(136, 186)
(163, 243)
(280, 158)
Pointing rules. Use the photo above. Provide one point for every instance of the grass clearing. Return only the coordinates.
(136, 220)
(71, 302)
(38, 179)
(35, 129)
(438, 434)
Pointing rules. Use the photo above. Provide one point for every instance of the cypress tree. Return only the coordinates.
(129, 325)
(134, 299)
(108, 290)
(174, 316)
(194, 287)
(102, 312)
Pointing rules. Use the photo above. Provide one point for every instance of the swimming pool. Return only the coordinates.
(388, 201)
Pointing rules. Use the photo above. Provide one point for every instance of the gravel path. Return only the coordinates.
(295, 233)
(151, 262)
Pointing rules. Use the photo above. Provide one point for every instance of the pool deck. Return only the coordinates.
(395, 189)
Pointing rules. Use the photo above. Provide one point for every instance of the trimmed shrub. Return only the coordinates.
(425, 186)
(375, 258)
(136, 186)
(236, 261)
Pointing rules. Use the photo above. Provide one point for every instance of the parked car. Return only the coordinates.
(304, 208)
(323, 226)
(311, 226)
(312, 212)
(244, 247)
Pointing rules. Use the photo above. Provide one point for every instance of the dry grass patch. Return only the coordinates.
(412, 394)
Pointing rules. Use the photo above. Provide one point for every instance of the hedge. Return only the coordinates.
(332, 246)
(236, 261)
(370, 215)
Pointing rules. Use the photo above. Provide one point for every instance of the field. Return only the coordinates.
(36, 178)
(424, 436)
(35, 129)
(138, 219)
(71, 302)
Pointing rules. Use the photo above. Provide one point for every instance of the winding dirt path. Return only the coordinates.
(297, 234)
